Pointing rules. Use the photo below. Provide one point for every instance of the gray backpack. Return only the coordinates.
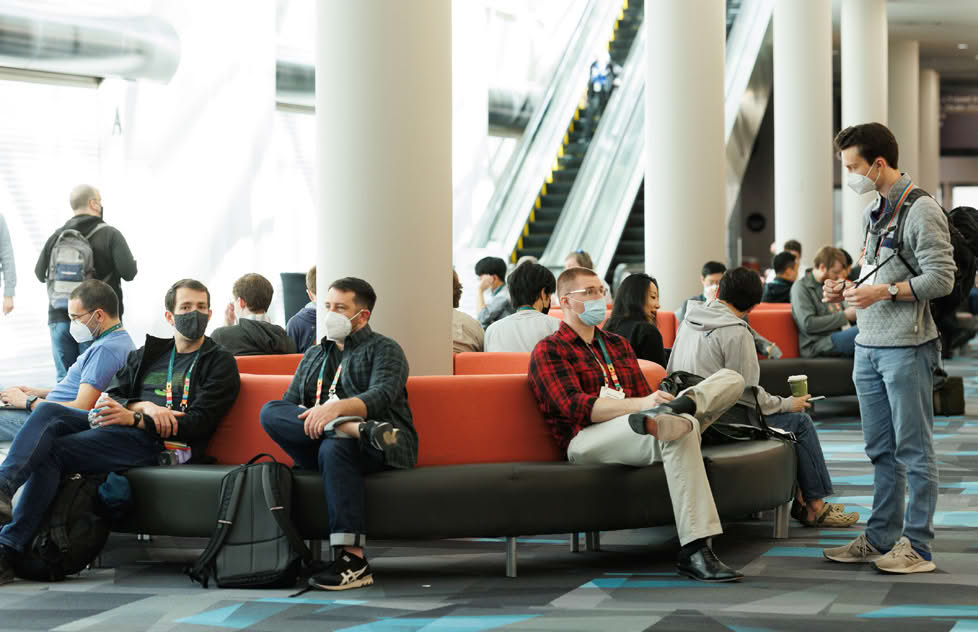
(254, 544)
(71, 262)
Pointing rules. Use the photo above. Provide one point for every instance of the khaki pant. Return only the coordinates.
(614, 442)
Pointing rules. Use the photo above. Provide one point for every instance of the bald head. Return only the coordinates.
(85, 198)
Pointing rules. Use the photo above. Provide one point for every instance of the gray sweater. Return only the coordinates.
(7, 267)
(927, 248)
(713, 338)
(816, 321)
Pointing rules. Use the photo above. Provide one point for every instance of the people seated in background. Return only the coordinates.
(824, 329)
(716, 337)
(302, 326)
(530, 287)
(600, 409)
(581, 259)
(247, 328)
(345, 415)
(492, 301)
(633, 317)
(467, 333)
(93, 311)
(786, 273)
(172, 388)
(850, 270)
(794, 247)
(710, 277)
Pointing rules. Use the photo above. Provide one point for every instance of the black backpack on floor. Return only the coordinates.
(255, 544)
(71, 535)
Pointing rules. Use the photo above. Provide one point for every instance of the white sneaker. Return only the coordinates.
(903, 559)
(859, 551)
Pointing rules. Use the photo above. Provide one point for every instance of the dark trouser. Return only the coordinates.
(64, 348)
(55, 441)
(342, 462)
(813, 474)
(844, 342)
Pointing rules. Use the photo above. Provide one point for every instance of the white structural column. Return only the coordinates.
(384, 144)
(864, 93)
(803, 123)
(903, 111)
(930, 131)
(685, 151)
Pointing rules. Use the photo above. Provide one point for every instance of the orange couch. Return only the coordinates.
(780, 306)
(486, 363)
(778, 326)
(668, 326)
(285, 364)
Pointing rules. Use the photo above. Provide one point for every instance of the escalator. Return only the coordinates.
(557, 186)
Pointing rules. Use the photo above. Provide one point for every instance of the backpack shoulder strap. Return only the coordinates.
(97, 228)
(915, 194)
(276, 506)
(230, 500)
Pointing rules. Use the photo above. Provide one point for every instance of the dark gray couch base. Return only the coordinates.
(489, 500)
(831, 377)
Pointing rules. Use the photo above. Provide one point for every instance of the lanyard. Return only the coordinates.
(322, 373)
(526, 308)
(896, 211)
(186, 381)
(607, 363)
(109, 331)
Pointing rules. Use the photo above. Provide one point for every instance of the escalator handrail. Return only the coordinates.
(514, 196)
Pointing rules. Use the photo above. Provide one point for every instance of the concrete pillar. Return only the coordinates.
(685, 150)
(904, 102)
(930, 131)
(384, 148)
(864, 94)
(803, 123)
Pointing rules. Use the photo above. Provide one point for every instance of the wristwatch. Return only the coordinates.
(893, 290)
(136, 418)
(30, 402)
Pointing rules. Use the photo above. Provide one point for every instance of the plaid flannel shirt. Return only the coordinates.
(566, 378)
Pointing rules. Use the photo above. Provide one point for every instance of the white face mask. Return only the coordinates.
(338, 326)
(80, 331)
(710, 292)
(861, 184)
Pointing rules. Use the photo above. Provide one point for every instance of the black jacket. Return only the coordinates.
(645, 338)
(112, 258)
(777, 291)
(214, 386)
(253, 337)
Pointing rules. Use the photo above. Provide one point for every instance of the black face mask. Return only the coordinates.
(546, 307)
(191, 325)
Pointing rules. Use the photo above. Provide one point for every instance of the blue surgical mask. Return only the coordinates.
(594, 312)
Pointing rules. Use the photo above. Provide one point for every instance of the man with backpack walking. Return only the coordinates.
(909, 262)
(84, 248)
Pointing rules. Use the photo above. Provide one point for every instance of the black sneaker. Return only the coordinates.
(348, 571)
(384, 436)
(6, 565)
(6, 509)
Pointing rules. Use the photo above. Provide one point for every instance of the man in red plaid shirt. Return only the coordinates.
(600, 409)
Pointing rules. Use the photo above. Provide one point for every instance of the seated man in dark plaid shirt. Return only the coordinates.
(346, 415)
(600, 409)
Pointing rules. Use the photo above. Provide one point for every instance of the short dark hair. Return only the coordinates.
(630, 300)
(794, 245)
(582, 258)
(712, 267)
(872, 140)
(783, 261)
(741, 287)
(95, 294)
(527, 280)
(491, 265)
(256, 291)
(847, 256)
(363, 294)
(456, 289)
(170, 300)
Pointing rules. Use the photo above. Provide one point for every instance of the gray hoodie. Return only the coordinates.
(712, 338)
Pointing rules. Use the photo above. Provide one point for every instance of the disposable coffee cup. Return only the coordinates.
(798, 385)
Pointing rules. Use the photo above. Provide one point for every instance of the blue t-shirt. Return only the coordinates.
(97, 366)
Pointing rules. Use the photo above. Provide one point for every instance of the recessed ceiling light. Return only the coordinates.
(962, 46)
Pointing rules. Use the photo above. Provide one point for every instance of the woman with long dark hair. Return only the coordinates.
(633, 317)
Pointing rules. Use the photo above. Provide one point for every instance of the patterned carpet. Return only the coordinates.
(629, 585)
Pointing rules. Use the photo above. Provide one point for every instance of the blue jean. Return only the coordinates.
(973, 301)
(896, 401)
(813, 474)
(11, 421)
(64, 348)
(844, 342)
(56, 441)
(342, 463)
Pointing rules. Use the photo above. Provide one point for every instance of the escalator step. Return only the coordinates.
(631, 248)
(543, 226)
(562, 187)
(629, 259)
(547, 214)
(570, 161)
(565, 175)
(633, 233)
(536, 241)
(530, 252)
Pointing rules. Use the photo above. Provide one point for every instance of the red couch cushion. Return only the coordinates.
(495, 363)
(765, 306)
(779, 327)
(285, 364)
(666, 322)
(240, 436)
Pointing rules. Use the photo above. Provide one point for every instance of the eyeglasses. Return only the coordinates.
(80, 316)
(590, 292)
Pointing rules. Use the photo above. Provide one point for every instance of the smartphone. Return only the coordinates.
(815, 399)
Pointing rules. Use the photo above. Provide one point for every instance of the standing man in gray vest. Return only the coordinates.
(897, 350)
(111, 257)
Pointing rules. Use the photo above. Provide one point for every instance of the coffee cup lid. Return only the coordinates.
(797, 378)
